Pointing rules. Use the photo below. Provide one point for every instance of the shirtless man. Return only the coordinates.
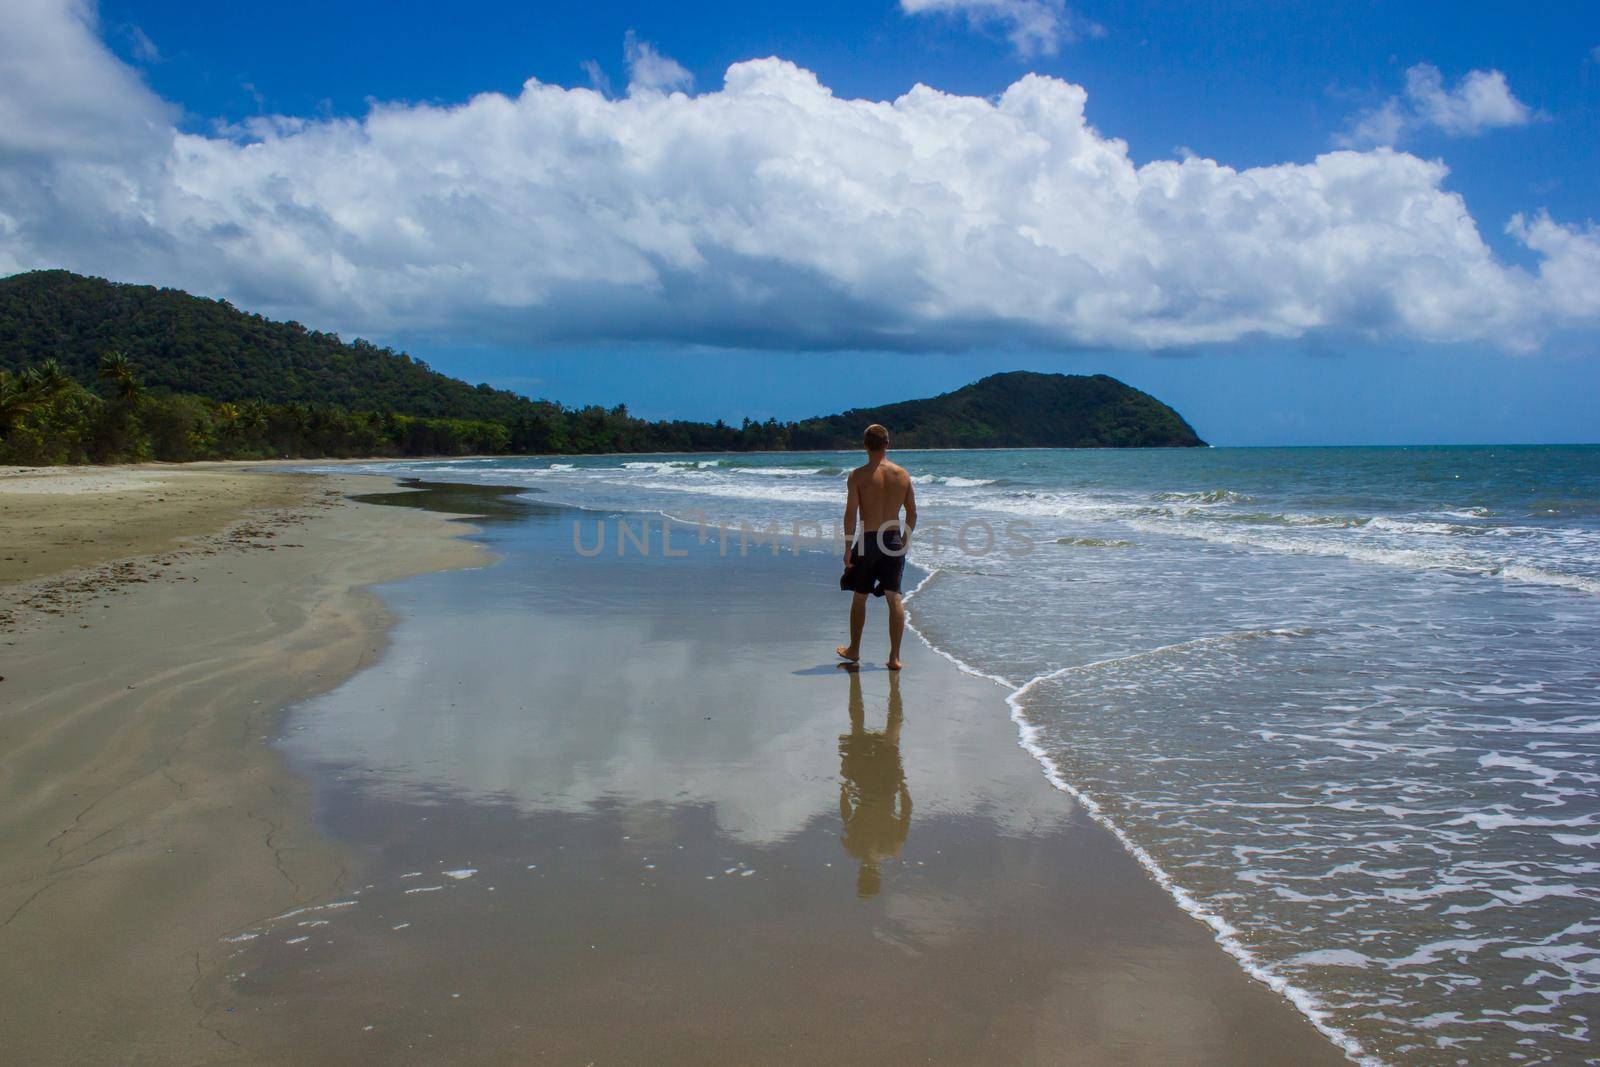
(877, 491)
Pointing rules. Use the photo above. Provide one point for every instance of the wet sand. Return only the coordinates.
(629, 810)
(156, 620)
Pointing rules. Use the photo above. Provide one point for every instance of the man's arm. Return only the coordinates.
(852, 505)
(911, 507)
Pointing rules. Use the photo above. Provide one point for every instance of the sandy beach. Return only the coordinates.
(157, 619)
(613, 813)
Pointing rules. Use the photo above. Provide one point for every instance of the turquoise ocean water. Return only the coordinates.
(1343, 703)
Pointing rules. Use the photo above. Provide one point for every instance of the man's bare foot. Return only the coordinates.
(893, 665)
(846, 655)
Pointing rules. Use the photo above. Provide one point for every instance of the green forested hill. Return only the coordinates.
(103, 371)
(187, 344)
(1018, 409)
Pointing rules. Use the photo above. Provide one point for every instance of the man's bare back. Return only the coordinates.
(881, 489)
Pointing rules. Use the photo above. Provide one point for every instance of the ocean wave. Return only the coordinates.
(1059, 504)
(1094, 542)
(1269, 518)
(1367, 551)
(777, 492)
(1208, 496)
(1423, 527)
(955, 481)
(784, 472)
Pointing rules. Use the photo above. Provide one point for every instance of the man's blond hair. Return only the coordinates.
(876, 438)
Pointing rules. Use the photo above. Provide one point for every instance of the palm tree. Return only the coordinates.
(253, 416)
(116, 369)
(16, 398)
(49, 378)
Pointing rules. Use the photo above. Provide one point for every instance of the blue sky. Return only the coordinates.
(1247, 85)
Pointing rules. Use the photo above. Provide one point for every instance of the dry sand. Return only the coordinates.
(141, 817)
(57, 519)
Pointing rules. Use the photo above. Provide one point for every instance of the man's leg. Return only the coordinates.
(858, 621)
(897, 626)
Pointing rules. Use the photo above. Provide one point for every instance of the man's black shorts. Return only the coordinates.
(876, 567)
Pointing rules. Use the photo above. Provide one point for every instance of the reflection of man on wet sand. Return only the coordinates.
(873, 800)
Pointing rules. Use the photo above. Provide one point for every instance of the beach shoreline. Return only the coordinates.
(158, 619)
(153, 838)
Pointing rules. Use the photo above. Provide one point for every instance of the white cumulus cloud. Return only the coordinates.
(768, 212)
(1034, 27)
(1480, 101)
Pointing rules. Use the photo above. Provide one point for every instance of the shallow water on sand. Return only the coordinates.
(1344, 701)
